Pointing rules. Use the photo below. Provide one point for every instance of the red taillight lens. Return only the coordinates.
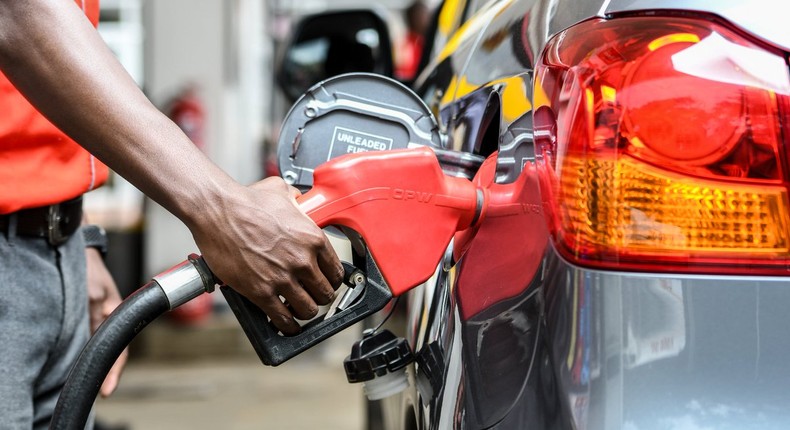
(660, 143)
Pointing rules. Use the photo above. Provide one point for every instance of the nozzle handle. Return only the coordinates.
(273, 348)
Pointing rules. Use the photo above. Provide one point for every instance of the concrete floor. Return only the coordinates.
(238, 392)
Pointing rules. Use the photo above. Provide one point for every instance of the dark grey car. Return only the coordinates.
(638, 279)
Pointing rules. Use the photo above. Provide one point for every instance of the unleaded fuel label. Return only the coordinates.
(348, 141)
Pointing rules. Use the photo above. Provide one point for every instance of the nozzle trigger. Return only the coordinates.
(355, 282)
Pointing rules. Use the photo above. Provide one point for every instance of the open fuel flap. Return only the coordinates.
(351, 113)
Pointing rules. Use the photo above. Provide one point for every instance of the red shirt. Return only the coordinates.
(39, 165)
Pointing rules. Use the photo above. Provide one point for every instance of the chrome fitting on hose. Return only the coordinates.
(186, 280)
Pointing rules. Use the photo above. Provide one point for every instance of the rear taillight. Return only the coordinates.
(660, 144)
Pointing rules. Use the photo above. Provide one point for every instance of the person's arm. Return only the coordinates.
(254, 238)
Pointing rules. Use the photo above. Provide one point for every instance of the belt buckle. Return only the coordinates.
(55, 235)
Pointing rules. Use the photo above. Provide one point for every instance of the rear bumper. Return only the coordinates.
(647, 351)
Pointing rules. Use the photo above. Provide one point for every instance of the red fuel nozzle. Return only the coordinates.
(401, 203)
(404, 207)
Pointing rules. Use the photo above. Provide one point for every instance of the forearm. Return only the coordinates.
(58, 61)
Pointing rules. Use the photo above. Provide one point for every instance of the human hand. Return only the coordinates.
(258, 241)
(103, 298)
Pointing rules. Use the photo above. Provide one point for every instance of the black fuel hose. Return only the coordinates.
(101, 352)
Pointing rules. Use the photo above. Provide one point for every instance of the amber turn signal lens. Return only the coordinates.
(624, 205)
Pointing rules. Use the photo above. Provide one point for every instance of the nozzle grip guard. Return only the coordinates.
(274, 348)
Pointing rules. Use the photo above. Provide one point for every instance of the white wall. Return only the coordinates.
(118, 205)
(218, 45)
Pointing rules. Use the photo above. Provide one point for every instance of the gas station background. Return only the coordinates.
(218, 58)
(226, 50)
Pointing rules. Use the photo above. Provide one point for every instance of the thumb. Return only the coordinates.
(295, 193)
(275, 184)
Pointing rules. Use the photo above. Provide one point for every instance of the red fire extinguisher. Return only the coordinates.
(193, 312)
(186, 110)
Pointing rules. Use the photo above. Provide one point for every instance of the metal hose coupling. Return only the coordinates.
(186, 280)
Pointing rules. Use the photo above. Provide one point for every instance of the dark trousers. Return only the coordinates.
(43, 324)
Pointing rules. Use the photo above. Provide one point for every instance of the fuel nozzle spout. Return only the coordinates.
(403, 205)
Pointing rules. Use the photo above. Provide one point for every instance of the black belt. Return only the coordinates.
(56, 223)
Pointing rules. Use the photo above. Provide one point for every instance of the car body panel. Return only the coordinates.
(645, 351)
(766, 19)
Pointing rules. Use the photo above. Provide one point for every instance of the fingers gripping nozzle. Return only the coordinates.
(274, 349)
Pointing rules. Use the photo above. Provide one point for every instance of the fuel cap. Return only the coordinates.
(379, 360)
